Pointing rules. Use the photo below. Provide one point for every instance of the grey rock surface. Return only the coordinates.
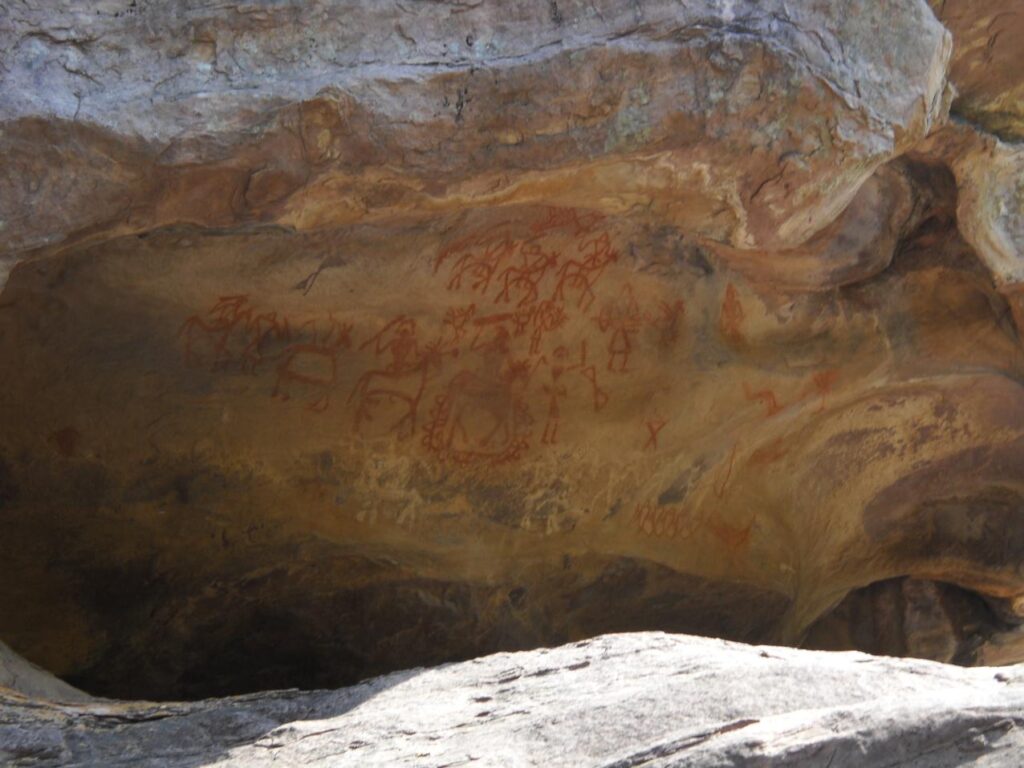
(161, 69)
(19, 677)
(754, 123)
(618, 700)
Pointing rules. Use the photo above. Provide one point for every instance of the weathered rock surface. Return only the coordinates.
(749, 123)
(990, 202)
(264, 432)
(19, 677)
(348, 337)
(923, 619)
(987, 62)
(990, 212)
(616, 700)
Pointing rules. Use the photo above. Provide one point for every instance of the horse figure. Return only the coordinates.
(581, 274)
(401, 382)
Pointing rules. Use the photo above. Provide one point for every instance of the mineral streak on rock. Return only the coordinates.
(345, 337)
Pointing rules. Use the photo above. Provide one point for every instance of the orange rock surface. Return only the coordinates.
(344, 337)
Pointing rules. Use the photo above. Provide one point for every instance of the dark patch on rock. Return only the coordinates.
(65, 441)
(678, 491)
(8, 490)
(633, 595)
(933, 503)
(555, 13)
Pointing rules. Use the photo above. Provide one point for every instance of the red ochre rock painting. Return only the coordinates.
(730, 320)
(342, 338)
(496, 379)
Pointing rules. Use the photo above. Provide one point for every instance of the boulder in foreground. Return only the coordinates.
(618, 700)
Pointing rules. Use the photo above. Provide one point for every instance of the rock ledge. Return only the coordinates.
(618, 700)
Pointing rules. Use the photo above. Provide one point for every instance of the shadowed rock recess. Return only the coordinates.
(339, 338)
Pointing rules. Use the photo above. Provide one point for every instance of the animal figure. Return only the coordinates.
(313, 365)
(231, 333)
(581, 274)
(523, 280)
(391, 395)
(482, 417)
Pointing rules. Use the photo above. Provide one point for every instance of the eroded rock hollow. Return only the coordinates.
(345, 337)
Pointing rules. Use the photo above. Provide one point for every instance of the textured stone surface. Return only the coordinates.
(923, 619)
(752, 123)
(19, 677)
(348, 337)
(617, 700)
(987, 62)
(990, 179)
(277, 446)
(990, 202)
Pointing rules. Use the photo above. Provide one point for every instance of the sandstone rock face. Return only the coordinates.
(617, 700)
(987, 62)
(991, 207)
(325, 114)
(990, 202)
(912, 617)
(345, 337)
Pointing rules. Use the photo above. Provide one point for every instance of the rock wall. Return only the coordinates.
(345, 337)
